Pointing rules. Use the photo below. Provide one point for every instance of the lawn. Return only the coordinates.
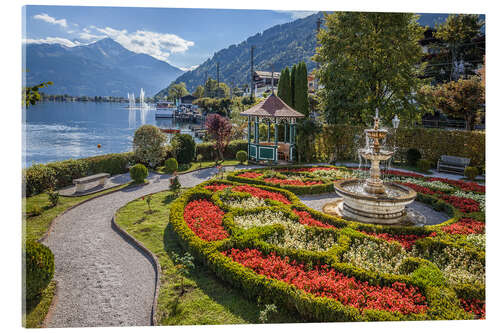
(206, 300)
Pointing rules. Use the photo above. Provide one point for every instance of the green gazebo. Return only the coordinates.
(272, 111)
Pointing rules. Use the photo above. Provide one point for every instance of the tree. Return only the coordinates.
(292, 86)
(368, 61)
(199, 92)
(463, 98)
(184, 148)
(284, 87)
(210, 88)
(31, 95)
(219, 129)
(300, 89)
(457, 33)
(177, 90)
(148, 145)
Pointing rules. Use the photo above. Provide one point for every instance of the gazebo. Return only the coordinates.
(271, 111)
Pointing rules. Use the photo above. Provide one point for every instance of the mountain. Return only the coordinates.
(279, 46)
(103, 68)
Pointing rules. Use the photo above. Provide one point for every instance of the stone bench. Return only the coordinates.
(81, 182)
(452, 164)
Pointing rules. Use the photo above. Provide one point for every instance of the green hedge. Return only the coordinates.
(38, 268)
(41, 177)
(208, 152)
(443, 302)
(344, 140)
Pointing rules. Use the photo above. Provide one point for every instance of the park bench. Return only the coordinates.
(81, 182)
(452, 164)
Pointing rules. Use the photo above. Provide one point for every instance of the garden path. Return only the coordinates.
(103, 280)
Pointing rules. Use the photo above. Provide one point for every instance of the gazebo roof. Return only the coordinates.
(273, 107)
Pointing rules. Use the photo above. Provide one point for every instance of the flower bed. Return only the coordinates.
(291, 244)
(205, 219)
(465, 205)
(474, 306)
(465, 226)
(326, 282)
(296, 182)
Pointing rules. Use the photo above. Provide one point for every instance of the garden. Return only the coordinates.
(254, 233)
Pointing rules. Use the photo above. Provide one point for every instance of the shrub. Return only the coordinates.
(175, 185)
(423, 165)
(412, 156)
(53, 197)
(184, 148)
(35, 210)
(38, 268)
(241, 156)
(138, 173)
(37, 179)
(171, 165)
(148, 145)
(471, 172)
(110, 163)
(209, 153)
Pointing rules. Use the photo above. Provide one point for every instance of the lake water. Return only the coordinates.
(55, 131)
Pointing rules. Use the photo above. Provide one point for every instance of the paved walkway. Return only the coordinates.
(102, 279)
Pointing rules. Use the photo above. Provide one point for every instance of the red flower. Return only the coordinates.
(474, 306)
(466, 186)
(402, 173)
(465, 226)
(327, 282)
(216, 187)
(465, 205)
(295, 182)
(250, 174)
(205, 219)
(262, 194)
(307, 219)
(406, 241)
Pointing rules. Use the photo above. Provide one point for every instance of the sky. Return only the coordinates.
(184, 38)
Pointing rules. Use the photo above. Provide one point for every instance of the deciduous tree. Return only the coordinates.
(219, 129)
(368, 61)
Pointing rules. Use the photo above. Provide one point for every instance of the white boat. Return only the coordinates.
(165, 110)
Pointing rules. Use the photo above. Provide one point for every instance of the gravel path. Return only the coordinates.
(102, 279)
(432, 216)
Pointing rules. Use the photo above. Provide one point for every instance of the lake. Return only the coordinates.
(55, 131)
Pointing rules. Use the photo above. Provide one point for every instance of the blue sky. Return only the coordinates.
(182, 37)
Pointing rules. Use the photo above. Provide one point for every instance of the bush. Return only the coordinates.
(53, 197)
(38, 268)
(241, 156)
(171, 165)
(209, 153)
(471, 172)
(37, 179)
(35, 210)
(413, 156)
(423, 165)
(149, 145)
(138, 173)
(184, 147)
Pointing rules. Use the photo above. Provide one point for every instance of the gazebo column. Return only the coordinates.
(268, 130)
(257, 139)
(285, 130)
(249, 134)
(276, 139)
(292, 141)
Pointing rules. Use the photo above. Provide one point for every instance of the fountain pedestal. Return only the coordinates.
(372, 200)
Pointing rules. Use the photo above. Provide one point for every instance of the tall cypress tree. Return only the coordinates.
(293, 78)
(284, 91)
(300, 90)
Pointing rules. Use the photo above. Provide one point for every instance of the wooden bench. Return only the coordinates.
(81, 182)
(453, 164)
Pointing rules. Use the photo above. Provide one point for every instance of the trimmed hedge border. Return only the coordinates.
(443, 301)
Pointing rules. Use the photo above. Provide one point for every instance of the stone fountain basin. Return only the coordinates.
(389, 208)
(382, 155)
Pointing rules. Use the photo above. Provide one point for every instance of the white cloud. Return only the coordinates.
(155, 44)
(297, 14)
(87, 35)
(53, 40)
(190, 68)
(49, 19)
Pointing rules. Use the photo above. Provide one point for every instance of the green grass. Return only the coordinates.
(37, 309)
(184, 168)
(206, 299)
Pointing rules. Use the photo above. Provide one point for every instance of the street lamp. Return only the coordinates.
(395, 124)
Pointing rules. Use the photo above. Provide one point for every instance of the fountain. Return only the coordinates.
(373, 200)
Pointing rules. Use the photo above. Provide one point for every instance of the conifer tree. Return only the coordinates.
(284, 91)
(293, 75)
(300, 90)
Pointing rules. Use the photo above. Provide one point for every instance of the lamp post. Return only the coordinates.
(395, 124)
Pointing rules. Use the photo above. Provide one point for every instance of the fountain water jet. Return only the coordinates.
(373, 200)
